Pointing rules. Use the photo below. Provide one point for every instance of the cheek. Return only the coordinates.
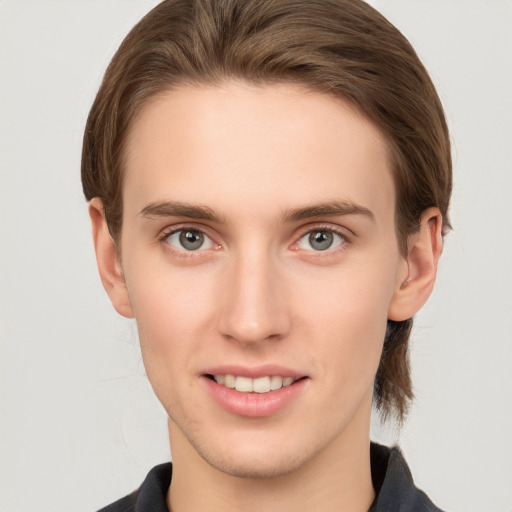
(350, 313)
(169, 315)
(354, 297)
(166, 296)
(171, 309)
(354, 340)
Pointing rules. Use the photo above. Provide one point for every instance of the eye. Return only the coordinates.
(321, 240)
(189, 240)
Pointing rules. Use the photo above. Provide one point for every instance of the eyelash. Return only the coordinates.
(307, 230)
(183, 253)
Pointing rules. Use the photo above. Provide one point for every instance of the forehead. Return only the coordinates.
(243, 144)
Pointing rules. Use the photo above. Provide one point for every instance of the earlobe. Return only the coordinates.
(107, 258)
(415, 283)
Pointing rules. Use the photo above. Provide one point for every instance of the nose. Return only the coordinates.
(253, 304)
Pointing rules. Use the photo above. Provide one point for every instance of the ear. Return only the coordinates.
(417, 276)
(107, 258)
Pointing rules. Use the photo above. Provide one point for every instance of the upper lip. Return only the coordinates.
(254, 372)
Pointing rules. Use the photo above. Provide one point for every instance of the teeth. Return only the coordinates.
(229, 381)
(248, 385)
(276, 382)
(261, 385)
(243, 384)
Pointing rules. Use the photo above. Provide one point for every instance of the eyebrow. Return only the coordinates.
(200, 212)
(179, 209)
(328, 209)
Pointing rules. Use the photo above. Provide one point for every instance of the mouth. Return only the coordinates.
(255, 392)
(261, 385)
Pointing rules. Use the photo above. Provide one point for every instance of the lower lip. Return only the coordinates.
(254, 405)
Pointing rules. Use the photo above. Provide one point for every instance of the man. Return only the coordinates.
(269, 185)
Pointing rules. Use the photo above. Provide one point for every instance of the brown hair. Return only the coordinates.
(340, 47)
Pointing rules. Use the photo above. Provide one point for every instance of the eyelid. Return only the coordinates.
(176, 228)
(341, 231)
(344, 233)
(325, 226)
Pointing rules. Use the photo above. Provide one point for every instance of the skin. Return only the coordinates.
(258, 291)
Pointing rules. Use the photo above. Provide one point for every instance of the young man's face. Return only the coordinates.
(259, 247)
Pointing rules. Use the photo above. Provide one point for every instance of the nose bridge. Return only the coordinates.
(254, 308)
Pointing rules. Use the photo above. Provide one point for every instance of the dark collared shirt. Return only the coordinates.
(394, 487)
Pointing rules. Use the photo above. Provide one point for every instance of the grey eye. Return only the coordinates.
(189, 240)
(321, 240)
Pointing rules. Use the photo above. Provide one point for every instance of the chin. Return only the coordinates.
(254, 455)
(260, 466)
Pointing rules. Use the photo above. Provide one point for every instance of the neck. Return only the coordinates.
(338, 478)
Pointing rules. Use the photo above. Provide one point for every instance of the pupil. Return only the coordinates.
(191, 240)
(321, 240)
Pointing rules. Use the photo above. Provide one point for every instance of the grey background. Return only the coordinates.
(79, 426)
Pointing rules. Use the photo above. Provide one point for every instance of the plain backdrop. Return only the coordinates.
(79, 424)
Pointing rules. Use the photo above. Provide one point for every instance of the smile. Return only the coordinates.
(258, 396)
(259, 385)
